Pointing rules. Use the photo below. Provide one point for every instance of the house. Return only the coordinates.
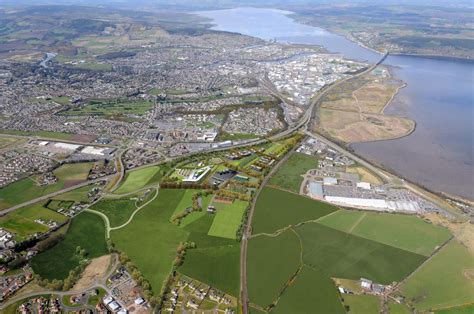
(365, 283)
(211, 209)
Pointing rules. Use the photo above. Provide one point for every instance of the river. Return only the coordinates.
(439, 96)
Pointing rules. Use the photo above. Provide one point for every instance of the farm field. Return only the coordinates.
(406, 232)
(155, 239)
(218, 266)
(87, 231)
(265, 278)
(78, 195)
(453, 266)
(276, 209)
(397, 308)
(342, 255)
(362, 304)
(27, 189)
(117, 210)
(467, 309)
(186, 201)
(21, 222)
(310, 293)
(290, 175)
(228, 219)
(137, 179)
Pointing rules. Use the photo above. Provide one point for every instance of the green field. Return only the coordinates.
(311, 293)
(27, 189)
(276, 209)
(217, 266)
(270, 263)
(78, 195)
(47, 134)
(445, 281)
(228, 219)
(137, 179)
(289, 175)
(87, 231)
(186, 201)
(362, 304)
(117, 210)
(406, 232)
(151, 240)
(397, 308)
(467, 309)
(343, 255)
(21, 222)
(110, 108)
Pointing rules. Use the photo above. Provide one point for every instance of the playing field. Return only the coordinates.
(311, 293)
(21, 222)
(406, 232)
(444, 281)
(136, 179)
(289, 175)
(343, 255)
(276, 209)
(271, 261)
(27, 189)
(151, 240)
(87, 231)
(228, 219)
(117, 210)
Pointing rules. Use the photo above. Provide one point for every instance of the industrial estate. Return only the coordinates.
(151, 164)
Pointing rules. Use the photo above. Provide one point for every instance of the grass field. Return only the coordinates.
(343, 255)
(137, 179)
(365, 175)
(362, 304)
(87, 231)
(186, 201)
(289, 175)
(270, 263)
(117, 210)
(217, 266)
(22, 223)
(311, 293)
(27, 189)
(445, 281)
(228, 219)
(397, 308)
(467, 309)
(276, 209)
(110, 108)
(150, 240)
(402, 231)
(47, 134)
(78, 195)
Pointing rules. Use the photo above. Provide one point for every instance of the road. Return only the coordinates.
(302, 123)
(45, 197)
(100, 282)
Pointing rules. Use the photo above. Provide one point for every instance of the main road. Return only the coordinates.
(301, 124)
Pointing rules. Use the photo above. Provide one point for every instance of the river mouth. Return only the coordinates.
(439, 96)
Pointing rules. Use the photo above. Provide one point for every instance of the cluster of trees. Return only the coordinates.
(184, 185)
(233, 195)
(71, 279)
(197, 207)
(178, 261)
(139, 279)
(243, 224)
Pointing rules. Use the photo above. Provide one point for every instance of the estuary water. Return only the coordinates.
(439, 96)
